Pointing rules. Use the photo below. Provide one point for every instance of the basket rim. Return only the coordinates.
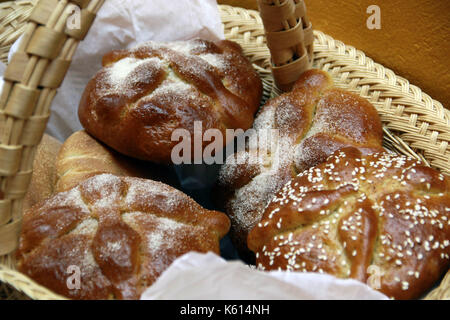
(29, 287)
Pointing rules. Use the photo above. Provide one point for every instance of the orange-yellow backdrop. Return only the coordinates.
(414, 39)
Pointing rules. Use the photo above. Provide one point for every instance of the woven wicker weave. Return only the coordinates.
(289, 37)
(13, 16)
(414, 124)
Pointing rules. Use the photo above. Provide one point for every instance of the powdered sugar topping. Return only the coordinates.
(123, 75)
(214, 60)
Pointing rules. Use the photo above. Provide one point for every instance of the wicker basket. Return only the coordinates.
(414, 124)
(289, 37)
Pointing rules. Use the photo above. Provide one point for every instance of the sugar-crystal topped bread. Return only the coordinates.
(381, 216)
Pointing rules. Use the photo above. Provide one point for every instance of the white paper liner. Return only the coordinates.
(196, 276)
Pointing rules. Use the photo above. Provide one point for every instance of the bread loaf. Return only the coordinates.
(44, 175)
(118, 234)
(142, 95)
(382, 219)
(312, 122)
(81, 157)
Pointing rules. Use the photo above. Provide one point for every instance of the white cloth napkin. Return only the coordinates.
(196, 276)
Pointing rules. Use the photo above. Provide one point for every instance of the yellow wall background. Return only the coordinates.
(414, 39)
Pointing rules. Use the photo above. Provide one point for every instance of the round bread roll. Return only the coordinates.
(142, 95)
(81, 157)
(44, 175)
(311, 122)
(118, 234)
(382, 219)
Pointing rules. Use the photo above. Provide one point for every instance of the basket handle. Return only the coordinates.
(290, 38)
(34, 74)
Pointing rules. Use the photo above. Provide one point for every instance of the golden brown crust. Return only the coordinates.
(44, 172)
(121, 233)
(353, 215)
(81, 157)
(313, 121)
(142, 95)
